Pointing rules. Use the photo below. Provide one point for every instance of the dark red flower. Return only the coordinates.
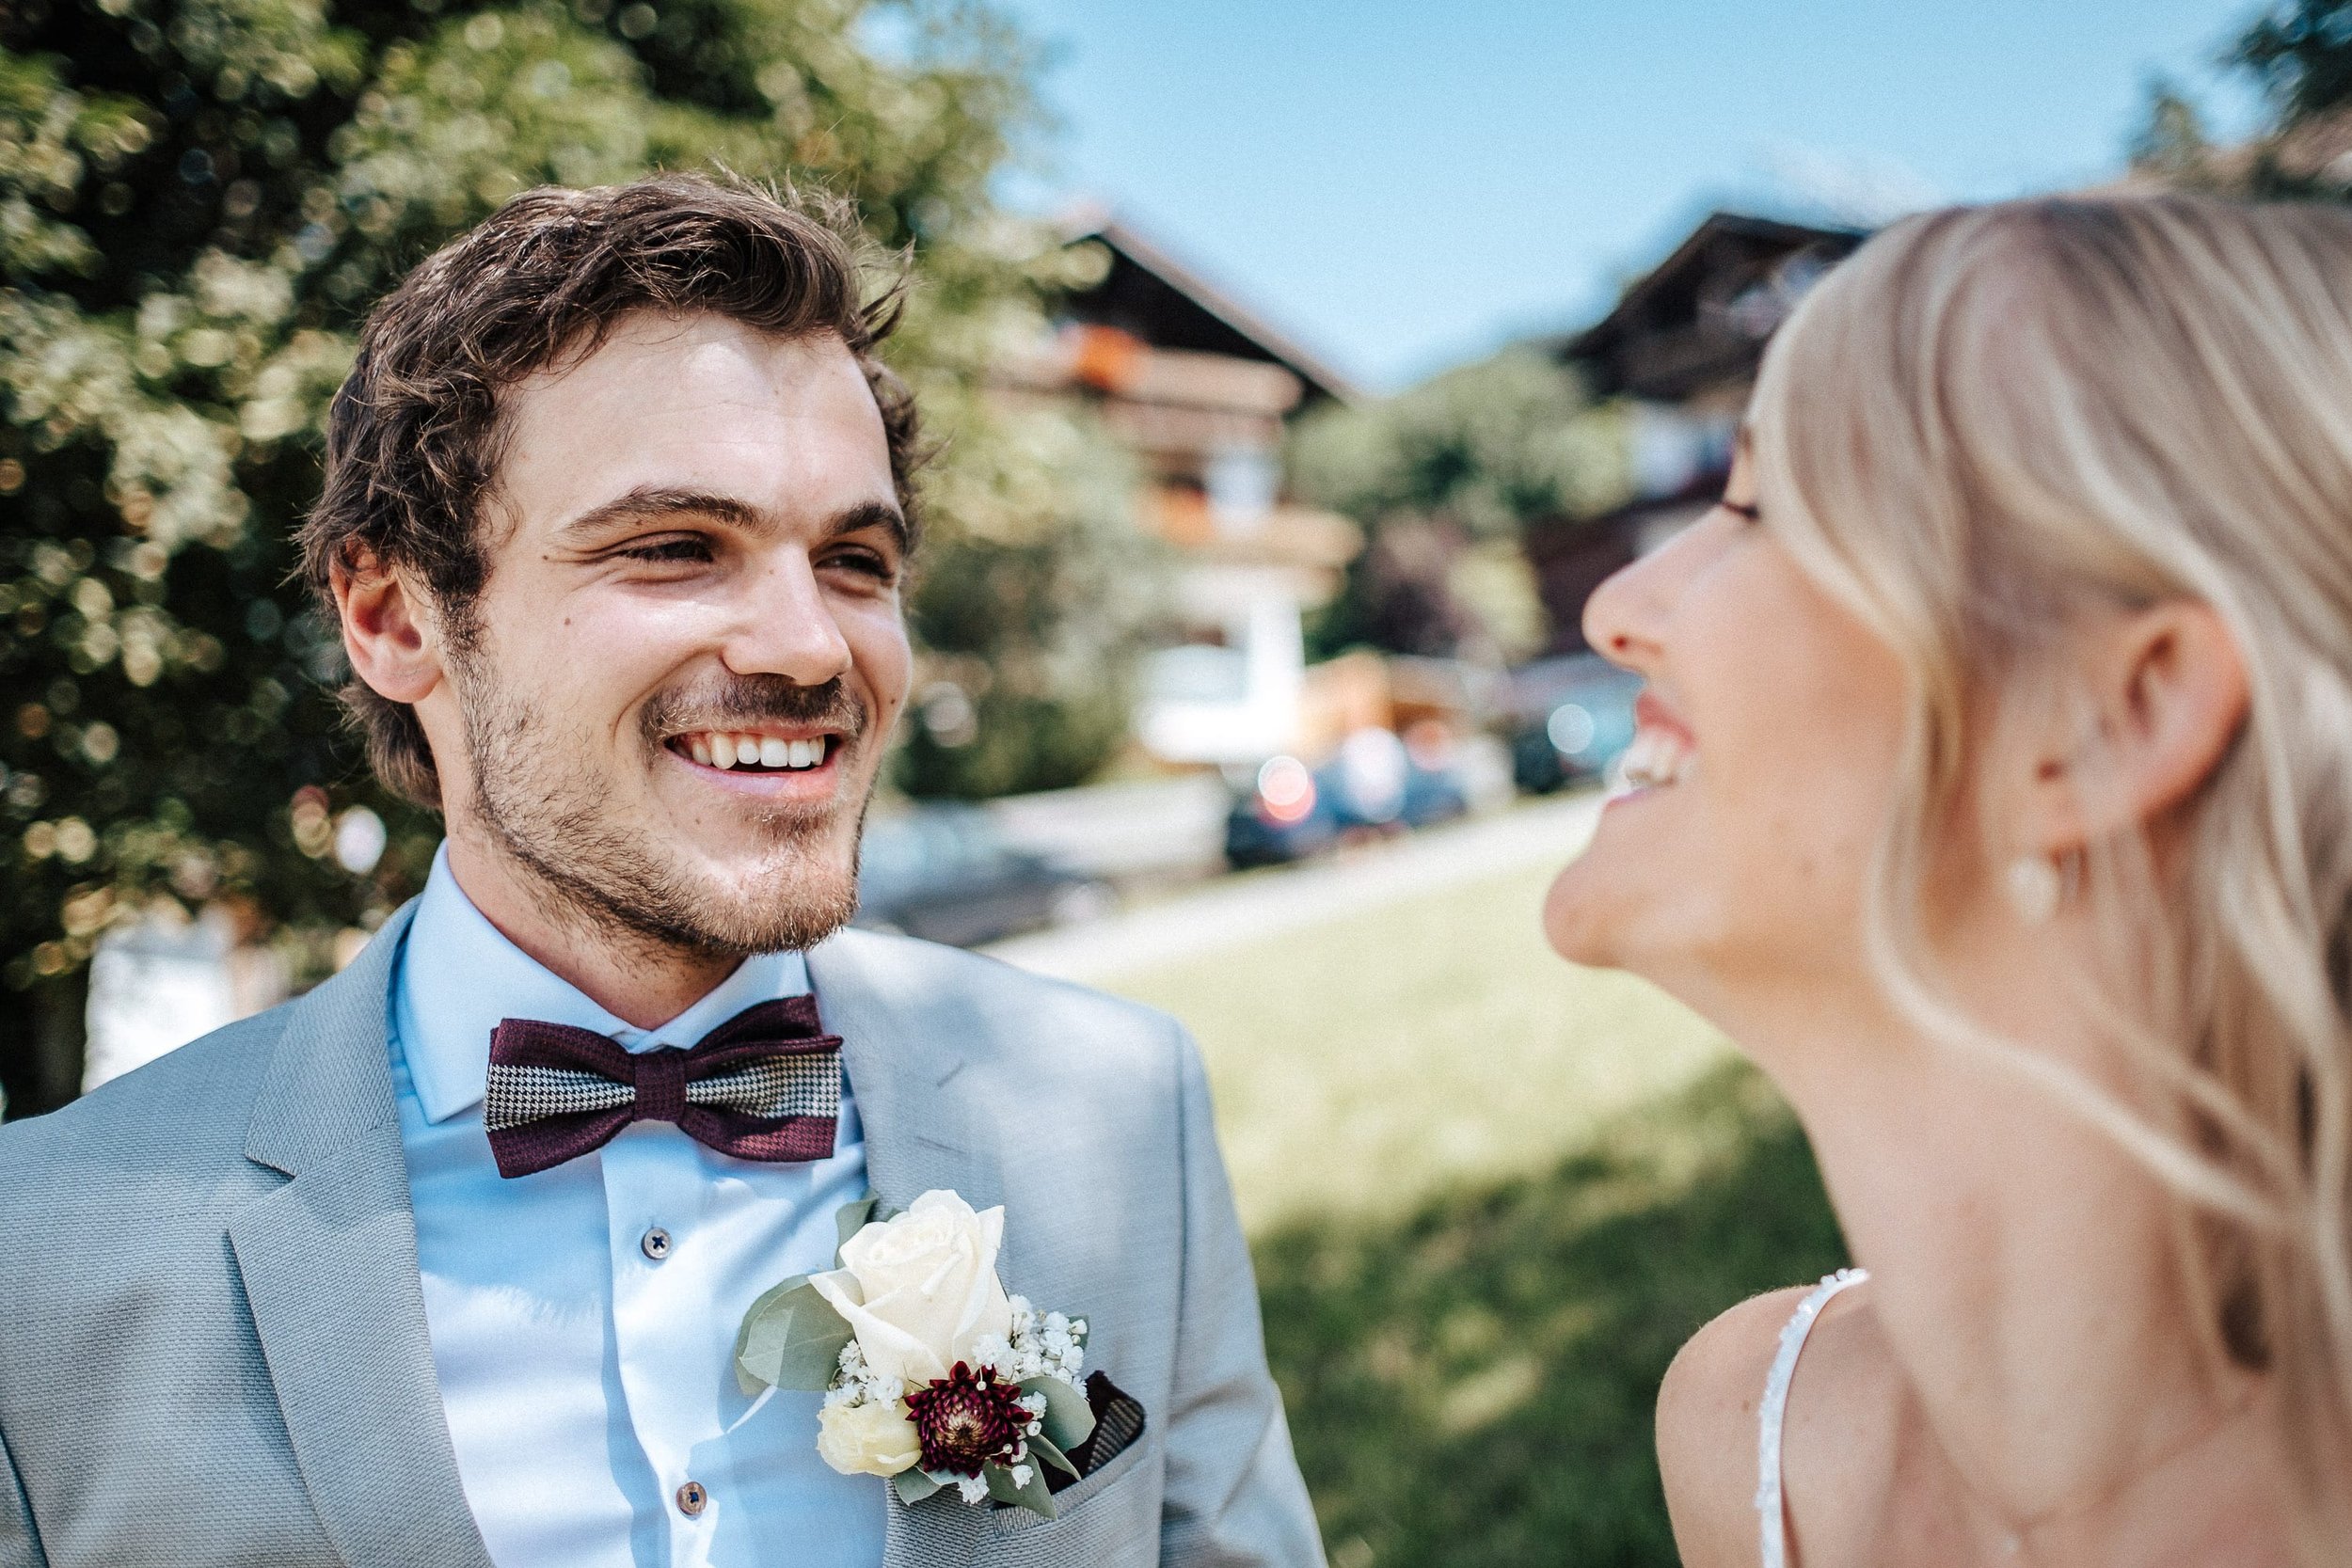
(967, 1418)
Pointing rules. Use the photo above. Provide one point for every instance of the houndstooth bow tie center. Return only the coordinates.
(765, 1086)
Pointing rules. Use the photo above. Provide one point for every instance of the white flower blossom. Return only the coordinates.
(1034, 1344)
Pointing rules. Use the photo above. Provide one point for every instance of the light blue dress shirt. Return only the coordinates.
(587, 1380)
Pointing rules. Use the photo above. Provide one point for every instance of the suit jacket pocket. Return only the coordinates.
(1119, 1420)
(1110, 1520)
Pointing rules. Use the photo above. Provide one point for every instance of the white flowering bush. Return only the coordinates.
(198, 199)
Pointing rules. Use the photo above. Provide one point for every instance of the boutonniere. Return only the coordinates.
(933, 1377)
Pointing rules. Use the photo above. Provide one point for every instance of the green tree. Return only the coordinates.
(2299, 53)
(1445, 477)
(1032, 613)
(198, 199)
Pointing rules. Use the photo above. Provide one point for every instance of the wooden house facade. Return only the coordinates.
(1201, 390)
(1681, 347)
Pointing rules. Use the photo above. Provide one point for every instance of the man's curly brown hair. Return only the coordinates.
(414, 434)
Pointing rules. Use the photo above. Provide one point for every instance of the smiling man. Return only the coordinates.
(443, 1263)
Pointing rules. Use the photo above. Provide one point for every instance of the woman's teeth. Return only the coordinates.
(721, 749)
(1656, 758)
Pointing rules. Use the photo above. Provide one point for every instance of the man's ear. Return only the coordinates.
(390, 632)
(2166, 695)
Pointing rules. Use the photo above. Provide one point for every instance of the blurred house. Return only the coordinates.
(1202, 391)
(1681, 349)
(165, 980)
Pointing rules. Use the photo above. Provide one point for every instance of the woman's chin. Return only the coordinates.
(1582, 920)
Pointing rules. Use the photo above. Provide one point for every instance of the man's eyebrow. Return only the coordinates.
(657, 502)
(650, 501)
(868, 514)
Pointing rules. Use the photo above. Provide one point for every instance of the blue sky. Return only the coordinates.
(1405, 183)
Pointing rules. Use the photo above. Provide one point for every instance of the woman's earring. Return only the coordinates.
(2033, 888)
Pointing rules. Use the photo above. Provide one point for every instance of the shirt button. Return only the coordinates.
(692, 1498)
(656, 1246)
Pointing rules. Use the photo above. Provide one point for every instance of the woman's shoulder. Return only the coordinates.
(1838, 1437)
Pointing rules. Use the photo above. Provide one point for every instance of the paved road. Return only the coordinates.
(1242, 909)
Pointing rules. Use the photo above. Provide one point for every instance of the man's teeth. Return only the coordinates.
(1658, 758)
(724, 749)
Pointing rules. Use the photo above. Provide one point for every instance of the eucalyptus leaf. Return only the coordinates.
(912, 1486)
(1069, 1419)
(790, 1339)
(1043, 1447)
(854, 1217)
(1037, 1496)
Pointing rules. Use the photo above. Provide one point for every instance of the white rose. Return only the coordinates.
(867, 1439)
(920, 1291)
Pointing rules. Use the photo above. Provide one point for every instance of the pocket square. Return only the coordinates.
(1117, 1423)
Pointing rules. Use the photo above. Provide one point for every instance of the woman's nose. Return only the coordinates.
(1619, 617)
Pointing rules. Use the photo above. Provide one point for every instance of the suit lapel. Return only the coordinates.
(329, 1267)
(917, 1139)
(918, 1135)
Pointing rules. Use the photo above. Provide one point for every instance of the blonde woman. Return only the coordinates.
(1996, 796)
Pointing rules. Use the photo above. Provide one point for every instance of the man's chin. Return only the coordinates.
(771, 907)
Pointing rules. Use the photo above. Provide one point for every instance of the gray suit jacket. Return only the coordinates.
(213, 1344)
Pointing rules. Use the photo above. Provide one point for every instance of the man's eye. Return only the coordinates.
(680, 548)
(867, 562)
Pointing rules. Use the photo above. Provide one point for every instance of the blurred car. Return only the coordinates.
(1575, 720)
(945, 872)
(1287, 815)
(1377, 783)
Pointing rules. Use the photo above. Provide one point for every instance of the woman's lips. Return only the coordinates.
(1658, 758)
(1664, 752)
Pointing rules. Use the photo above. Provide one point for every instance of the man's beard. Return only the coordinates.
(557, 819)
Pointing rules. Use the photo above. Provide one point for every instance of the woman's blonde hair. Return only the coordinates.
(1991, 420)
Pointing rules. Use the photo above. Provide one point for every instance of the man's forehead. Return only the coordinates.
(692, 351)
(698, 401)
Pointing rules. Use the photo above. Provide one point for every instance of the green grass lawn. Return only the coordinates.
(1489, 1194)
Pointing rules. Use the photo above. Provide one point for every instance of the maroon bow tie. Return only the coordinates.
(766, 1084)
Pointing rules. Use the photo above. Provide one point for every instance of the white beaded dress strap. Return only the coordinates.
(1771, 1519)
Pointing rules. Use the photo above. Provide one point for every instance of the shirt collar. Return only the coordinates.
(459, 976)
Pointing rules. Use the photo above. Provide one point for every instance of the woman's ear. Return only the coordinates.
(390, 632)
(2166, 695)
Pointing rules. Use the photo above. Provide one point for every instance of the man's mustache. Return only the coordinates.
(747, 701)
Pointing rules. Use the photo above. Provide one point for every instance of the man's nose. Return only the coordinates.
(783, 625)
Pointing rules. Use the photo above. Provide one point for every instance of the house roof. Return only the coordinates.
(1701, 305)
(1168, 305)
